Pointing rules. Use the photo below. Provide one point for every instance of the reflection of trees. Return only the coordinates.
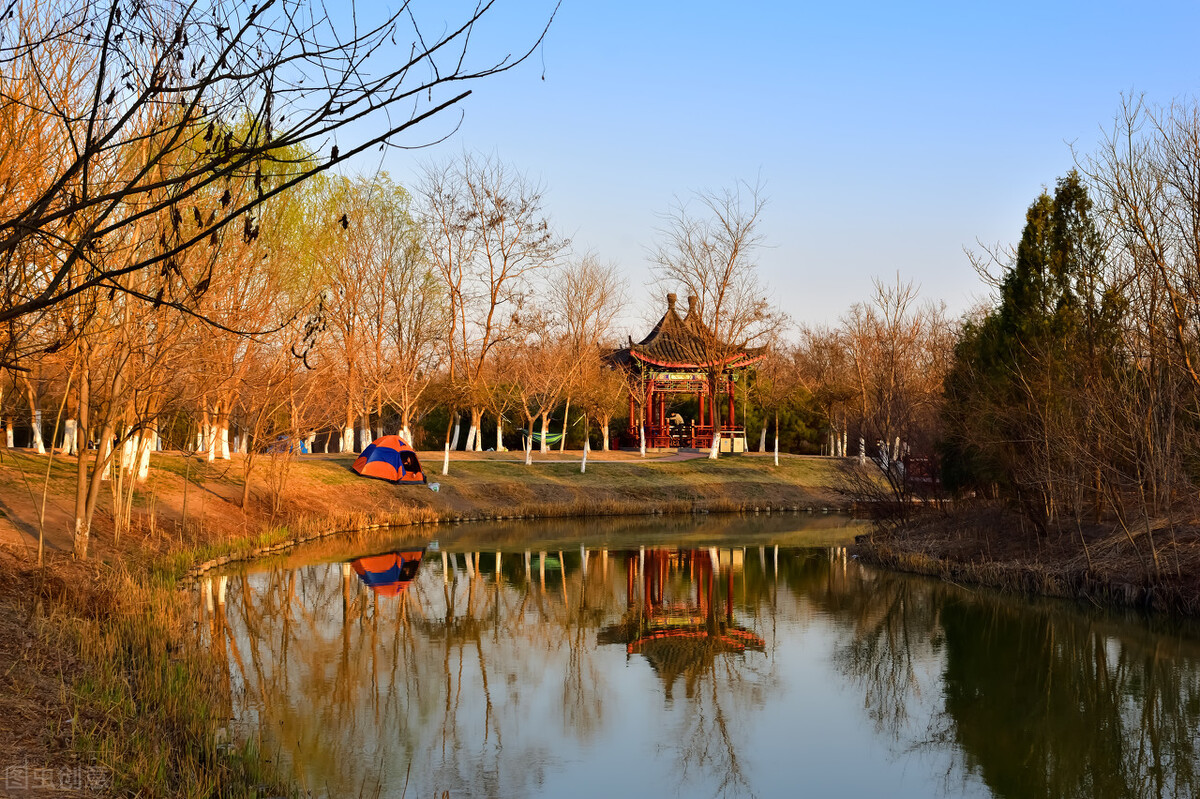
(487, 672)
(351, 687)
(679, 616)
(1038, 702)
(1094, 715)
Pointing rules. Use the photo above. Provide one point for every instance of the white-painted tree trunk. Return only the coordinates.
(311, 441)
(500, 434)
(8, 433)
(128, 447)
(529, 444)
(364, 434)
(446, 460)
(70, 444)
(454, 438)
(470, 445)
(714, 451)
(146, 442)
(583, 463)
(237, 443)
(776, 447)
(545, 432)
(38, 443)
(604, 435)
(845, 442)
(762, 439)
(862, 450)
(348, 439)
(642, 439)
(406, 435)
(223, 438)
(896, 449)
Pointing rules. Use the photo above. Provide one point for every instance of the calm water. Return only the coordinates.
(667, 657)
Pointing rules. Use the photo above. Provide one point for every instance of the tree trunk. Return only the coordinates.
(70, 445)
(543, 447)
(762, 438)
(715, 451)
(452, 422)
(562, 443)
(223, 431)
(586, 446)
(210, 435)
(454, 440)
(8, 432)
(473, 431)
(405, 418)
(500, 432)
(529, 440)
(81, 481)
(777, 438)
(148, 442)
(604, 432)
(35, 420)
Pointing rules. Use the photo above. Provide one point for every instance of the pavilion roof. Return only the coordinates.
(684, 343)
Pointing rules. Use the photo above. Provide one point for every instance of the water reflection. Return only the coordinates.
(709, 670)
(389, 573)
(676, 618)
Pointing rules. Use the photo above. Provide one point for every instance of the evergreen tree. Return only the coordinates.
(1017, 394)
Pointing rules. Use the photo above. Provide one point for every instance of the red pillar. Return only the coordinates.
(632, 412)
(662, 413)
(649, 410)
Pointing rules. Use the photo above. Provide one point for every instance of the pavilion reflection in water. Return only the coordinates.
(679, 613)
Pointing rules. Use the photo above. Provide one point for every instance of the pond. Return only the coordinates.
(714, 656)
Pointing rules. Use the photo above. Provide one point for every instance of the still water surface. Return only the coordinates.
(715, 657)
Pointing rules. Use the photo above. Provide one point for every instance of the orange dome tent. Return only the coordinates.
(390, 458)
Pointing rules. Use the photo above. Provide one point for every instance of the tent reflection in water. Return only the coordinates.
(390, 458)
(389, 573)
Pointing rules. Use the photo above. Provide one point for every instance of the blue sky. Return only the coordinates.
(888, 136)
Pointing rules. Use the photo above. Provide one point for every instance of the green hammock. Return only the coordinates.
(551, 438)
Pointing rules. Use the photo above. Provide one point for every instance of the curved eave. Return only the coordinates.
(733, 362)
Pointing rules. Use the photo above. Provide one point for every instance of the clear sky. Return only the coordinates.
(889, 136)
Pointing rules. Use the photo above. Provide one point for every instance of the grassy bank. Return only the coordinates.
(1155, 566)
(102, 683)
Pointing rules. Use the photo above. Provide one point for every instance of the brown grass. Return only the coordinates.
(98, 664)
(1098, 563)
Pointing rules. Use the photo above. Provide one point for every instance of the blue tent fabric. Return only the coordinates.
(390, 458)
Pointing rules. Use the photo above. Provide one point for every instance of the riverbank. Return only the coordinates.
(1154, 567)
(103, 689)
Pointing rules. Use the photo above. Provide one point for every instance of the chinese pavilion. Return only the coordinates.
(680, 361)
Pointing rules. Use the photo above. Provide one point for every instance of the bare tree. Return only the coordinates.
(588, 296)
(153, 110)
(487, 237)
(712, 255)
